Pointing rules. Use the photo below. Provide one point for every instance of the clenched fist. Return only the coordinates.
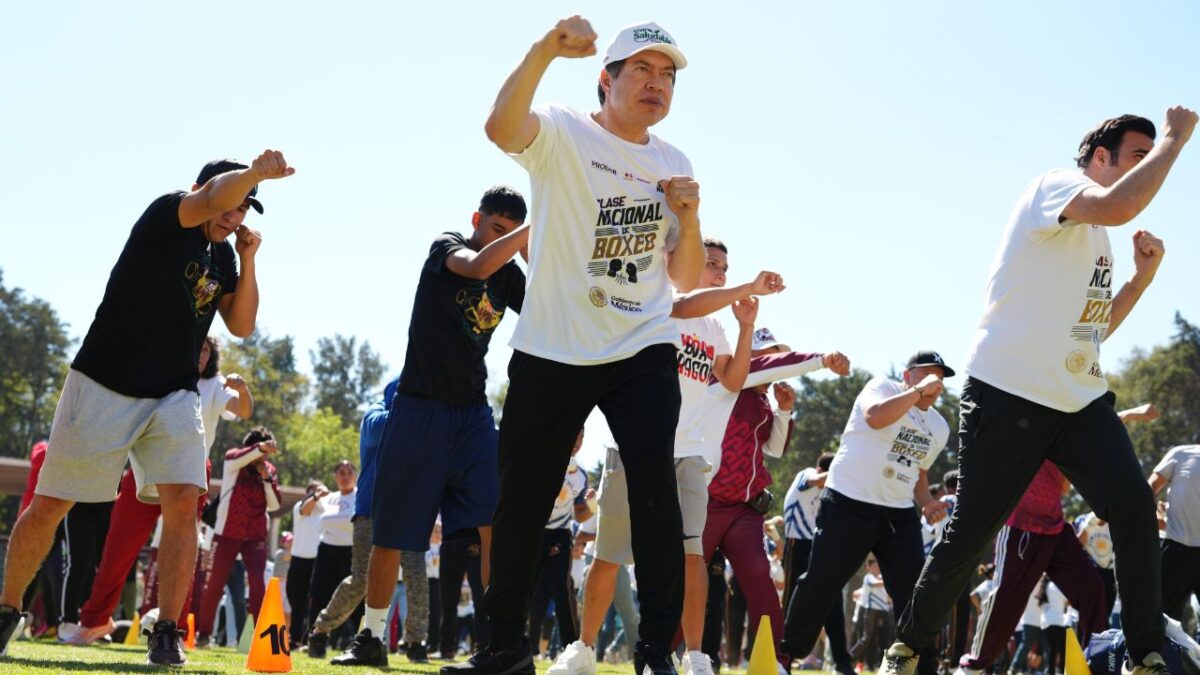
(838, 362)
(767, 283)
(930, 387)
(270, 165)
(1180, 123)
(571, 38)
(683, 196)
(1148, 253)
(785, 396)
(248, 241)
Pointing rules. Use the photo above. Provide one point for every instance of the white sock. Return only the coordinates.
(375, 620)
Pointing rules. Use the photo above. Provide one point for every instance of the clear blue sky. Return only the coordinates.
(870, 152)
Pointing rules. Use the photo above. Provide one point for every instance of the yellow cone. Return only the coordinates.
(271, 649)
(135, 628)
(1074, 663)
(762, 657)
(243, 645)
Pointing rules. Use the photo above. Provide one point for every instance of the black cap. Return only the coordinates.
(220, 166)
(929, 358)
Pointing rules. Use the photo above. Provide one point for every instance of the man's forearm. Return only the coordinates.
(1124, 303)
(890, 410)
(688, 259)
(495, 255)
(1137, 188)
(734, 377)
(243, 310)
(515, 99)
(245, 404)
(227, 191)
(704, 302)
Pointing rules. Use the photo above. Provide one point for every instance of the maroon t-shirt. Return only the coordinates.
(1040, 510)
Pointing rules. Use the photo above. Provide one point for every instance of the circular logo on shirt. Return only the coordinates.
(889, 472)
(1076, 361)
(597, 296)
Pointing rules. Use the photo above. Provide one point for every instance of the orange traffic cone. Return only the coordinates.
(190, 641)
(135, 629)
(762, 657)
(270, 649)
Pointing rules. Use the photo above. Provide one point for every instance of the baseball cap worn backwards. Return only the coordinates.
(929, 358)
(642, 37)
(220, 166)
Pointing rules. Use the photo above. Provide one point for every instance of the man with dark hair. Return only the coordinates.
(1035, 389)
(879, 473)
(131, 391)
(438, 451)
(616, 223)
(800, 506)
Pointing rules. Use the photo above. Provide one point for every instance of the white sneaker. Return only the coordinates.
(898, 660)
(697, 663)
(576, 659)
(968, 671)
(72, 634)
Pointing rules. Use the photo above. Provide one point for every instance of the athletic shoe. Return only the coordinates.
(493, 660)
(71, 633)
(1151, 665)
(844, 668)
(10, 618)
(648, 658)
(963, 670)
(417, 653)
(317, 644)
(166, 645)
(364, 650)
(898, 660)
(697, 663)
(203, 641)
(576, 659)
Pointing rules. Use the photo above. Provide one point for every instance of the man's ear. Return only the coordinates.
(475, 218)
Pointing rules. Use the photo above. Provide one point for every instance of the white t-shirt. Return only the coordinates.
(1049, 300)
(1181, 467)
(306, 533)
(1033, 611)
(214, 397)
(589, 527)
(597, 289)
(1054, 612)
(881, 466)
(335, 510)
(872, 596)
(701, 341)
(1099, 540)
(574, 484)
(800, 505)
(433, 561)
(984, 590)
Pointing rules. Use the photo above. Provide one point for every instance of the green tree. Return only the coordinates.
(311, 445)
(279, 390)
(347, 375)
(33, 364)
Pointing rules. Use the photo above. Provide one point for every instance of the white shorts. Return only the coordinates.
(613, 538)
(96, 429)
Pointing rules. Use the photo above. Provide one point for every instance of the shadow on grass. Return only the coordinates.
(57, 666)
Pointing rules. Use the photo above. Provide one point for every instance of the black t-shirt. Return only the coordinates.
(159, 303)
(452, 322)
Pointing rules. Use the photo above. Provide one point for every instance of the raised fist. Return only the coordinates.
(571, 38)
(1180, 123)
(271, 164)
(683, 196)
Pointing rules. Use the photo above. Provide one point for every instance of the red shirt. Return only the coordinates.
(37, 457)
(242, 511)
(1040, 510)
(743, 475)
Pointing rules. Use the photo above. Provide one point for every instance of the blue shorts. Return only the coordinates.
(434, 458)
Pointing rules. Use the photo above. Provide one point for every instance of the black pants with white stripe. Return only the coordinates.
(84, 530)
(1003, 441)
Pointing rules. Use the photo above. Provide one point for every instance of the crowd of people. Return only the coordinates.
(454, 536)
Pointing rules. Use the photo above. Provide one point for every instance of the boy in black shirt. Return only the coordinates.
(131, 391)
(440, 443)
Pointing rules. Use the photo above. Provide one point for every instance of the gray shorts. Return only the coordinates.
(613, 539)
(96, 429)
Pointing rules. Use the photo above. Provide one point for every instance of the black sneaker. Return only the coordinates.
(364, 650)
(646, 655)
(416, 653)
(317, 643)
(493, 660)
(166, 644)
(10, 618)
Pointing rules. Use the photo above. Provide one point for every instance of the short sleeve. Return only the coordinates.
(224, 395)
(878, 389)
(719, 339)
(1055, 191)
(537, 158)
(514, 291)
(1166, 467)
(804, 481)
(162, 215)
(441, 248)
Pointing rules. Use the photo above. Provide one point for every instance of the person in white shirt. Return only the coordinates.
(704, 357)
(337, 538)
(1035, 390)
(306, 537)
(1054, 626)
(875, 616)
(874, 497)
(1031, 629)
(1179, 474)
(614, 224)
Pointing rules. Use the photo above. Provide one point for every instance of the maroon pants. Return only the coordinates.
(737, 530)
(1021, 558)
(133, 522)
(225, 551)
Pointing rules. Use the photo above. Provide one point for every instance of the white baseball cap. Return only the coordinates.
(765, 339)
(641, 37)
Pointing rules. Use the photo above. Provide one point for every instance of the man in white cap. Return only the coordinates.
(614, 225)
